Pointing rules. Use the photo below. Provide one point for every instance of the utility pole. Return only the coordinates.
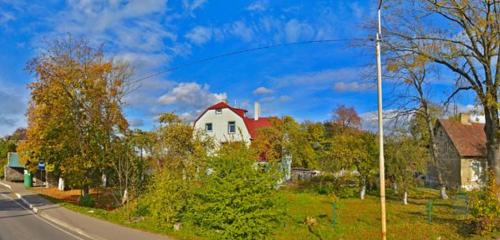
(381, 125)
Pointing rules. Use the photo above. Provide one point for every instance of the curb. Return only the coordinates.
(56, 221)
(6, 185)
(20, 197)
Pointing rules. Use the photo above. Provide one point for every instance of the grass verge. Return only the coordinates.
(355, 218)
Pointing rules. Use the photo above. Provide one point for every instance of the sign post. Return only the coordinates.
(41, 168)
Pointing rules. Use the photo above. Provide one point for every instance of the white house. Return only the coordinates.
(225, 123)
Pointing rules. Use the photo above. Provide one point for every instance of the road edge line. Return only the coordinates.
(47, 217)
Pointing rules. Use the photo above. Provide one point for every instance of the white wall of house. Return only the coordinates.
(220, 121)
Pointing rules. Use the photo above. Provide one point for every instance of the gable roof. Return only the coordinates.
(468, 139)
(251, 124)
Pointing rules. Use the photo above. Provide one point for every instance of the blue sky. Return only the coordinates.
(304, 81)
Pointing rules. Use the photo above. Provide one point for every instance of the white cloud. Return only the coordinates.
(296, 30)
(6, 17)
(273, 99)
(12, 109)
(199, 35)
(146, 92)
(190, 6)
(369, 120)
(136, 122)
(353, 86)
(262, 91)
(134, 28)
(191, 95)
(320, 79)
(258, 6)
(240, 29)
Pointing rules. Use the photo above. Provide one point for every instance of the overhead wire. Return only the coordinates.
(241, 51)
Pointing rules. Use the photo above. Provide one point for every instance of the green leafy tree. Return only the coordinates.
(6, 146)
(237, 198)
(349, 148)
(352, 150)
(405, 157)
(178, 155)
(484, 208)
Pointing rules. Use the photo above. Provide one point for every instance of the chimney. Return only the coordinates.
(256, 111)
(465, 118)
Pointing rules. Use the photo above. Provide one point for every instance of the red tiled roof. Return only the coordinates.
(468, 139)
(251, 124)
(221, 105)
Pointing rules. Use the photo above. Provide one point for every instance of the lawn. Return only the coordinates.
(360, 219)
(355, 218)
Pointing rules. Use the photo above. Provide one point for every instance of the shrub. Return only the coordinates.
(485, 208)
(237, 198)
(345, 186)
(87, 201)
(3, 162)
(166, 199)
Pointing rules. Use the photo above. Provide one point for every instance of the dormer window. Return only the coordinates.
(208, 127)
(218, 111)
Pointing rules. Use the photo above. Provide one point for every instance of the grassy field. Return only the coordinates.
(356, 219)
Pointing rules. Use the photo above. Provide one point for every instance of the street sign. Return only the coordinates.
(41, 166)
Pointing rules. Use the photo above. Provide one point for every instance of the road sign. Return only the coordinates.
(41, 166)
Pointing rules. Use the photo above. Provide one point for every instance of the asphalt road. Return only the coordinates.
(19, 223)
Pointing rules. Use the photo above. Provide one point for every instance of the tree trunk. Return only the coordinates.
(125, 197)
(492, 132)
(362, 193)
(85, 190)
(405, 198)
(442, 192)
(395, 187)
(60, 185)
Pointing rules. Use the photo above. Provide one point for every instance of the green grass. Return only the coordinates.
(360, 219)
(356, 219)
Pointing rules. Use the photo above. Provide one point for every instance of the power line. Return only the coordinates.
(237, 52)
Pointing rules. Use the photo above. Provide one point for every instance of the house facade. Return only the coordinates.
(461, 152)
(226, 123)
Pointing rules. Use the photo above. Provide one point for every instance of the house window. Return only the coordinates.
(208, 127)
(231, 127)
(218, 111)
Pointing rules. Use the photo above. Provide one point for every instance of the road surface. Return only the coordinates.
(19, 223)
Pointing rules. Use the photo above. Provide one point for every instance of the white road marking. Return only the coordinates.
(42, 219)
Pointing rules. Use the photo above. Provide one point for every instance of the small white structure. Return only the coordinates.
(225, 123)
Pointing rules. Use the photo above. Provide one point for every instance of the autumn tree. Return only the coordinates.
(75, 110)
(286, 136)
(346, 117)
(413, 99)
(461, 37)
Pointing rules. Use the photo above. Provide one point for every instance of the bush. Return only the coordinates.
(237, 198)
(2, 165)
(345, 186)
(166, 199)
(485, 208)
(87, 201)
